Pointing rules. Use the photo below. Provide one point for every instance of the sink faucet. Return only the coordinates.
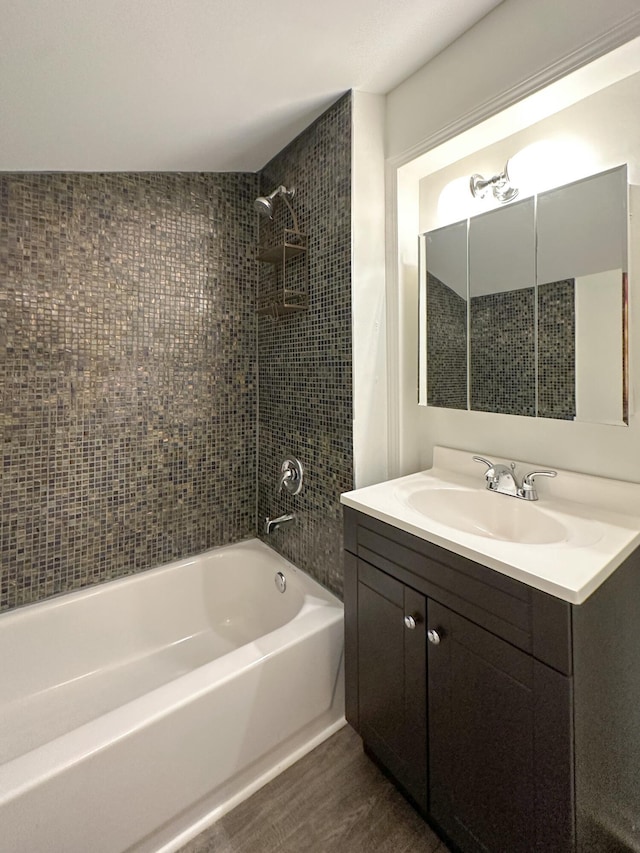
(271, 524)
(503, 480)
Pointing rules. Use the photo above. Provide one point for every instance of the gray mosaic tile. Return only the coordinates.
(557, 350)
(128, 367)
(304, 359)
(128, 373)
(502, 352)
(446, 346)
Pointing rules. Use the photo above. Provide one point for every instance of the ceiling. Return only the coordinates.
(197, 85)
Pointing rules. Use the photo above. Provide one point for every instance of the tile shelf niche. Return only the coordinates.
(285, 290)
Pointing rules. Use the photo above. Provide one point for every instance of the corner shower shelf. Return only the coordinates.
(276, 296)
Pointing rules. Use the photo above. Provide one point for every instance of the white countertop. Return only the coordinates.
(599, 520)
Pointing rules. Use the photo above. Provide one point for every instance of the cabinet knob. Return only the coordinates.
(410, 622)
(433, 636)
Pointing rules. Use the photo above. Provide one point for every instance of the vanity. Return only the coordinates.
(493, 654)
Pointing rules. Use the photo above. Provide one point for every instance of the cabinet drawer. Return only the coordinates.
(531, 620)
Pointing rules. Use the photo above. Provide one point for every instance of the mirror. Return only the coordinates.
(523, 309)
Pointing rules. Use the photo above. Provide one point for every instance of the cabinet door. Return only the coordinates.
(499, 781)
(392, 677)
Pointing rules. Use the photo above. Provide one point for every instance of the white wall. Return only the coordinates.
(368, 290)
(514, 42)
(507, 54)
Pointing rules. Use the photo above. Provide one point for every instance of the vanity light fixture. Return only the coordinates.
(500, 184)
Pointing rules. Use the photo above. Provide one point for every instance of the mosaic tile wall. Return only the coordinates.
(446, 346)
(304, 359)
(557, 350)
(502, 370)
(127, 368)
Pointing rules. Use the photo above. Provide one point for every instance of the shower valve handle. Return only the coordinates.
(291, 476)
(285, 478)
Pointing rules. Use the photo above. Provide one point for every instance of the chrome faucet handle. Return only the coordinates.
(528, 490)
(285, 478)
(291, 476)
(491, 474)
(482, 459)
(527, 482)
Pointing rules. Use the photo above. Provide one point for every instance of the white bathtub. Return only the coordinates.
(134, 714)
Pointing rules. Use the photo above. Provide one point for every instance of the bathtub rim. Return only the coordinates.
(61, 599)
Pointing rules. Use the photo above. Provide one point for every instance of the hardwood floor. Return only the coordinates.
(334, 800)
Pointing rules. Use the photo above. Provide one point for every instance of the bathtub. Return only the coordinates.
(134, 714)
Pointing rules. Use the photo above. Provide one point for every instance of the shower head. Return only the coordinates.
(264, 204)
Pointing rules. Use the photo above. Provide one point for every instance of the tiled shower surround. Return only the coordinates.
(127, 372)
(304, 359)
(128, 367)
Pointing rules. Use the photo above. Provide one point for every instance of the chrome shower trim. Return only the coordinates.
(264, 204)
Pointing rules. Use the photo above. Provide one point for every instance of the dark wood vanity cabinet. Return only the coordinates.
(393, 674)
(479, 696)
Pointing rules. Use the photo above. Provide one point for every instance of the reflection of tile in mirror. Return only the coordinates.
(557, 350)
(503, 352)
(446, 346)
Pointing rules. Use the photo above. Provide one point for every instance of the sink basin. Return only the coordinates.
(493, 516)
(566, 544)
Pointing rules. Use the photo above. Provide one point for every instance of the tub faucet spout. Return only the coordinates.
(271, 524)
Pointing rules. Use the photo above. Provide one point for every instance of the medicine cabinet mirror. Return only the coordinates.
(523, 309)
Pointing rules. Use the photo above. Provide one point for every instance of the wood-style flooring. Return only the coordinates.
(334, 800)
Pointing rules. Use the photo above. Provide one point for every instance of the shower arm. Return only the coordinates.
(296, 227)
